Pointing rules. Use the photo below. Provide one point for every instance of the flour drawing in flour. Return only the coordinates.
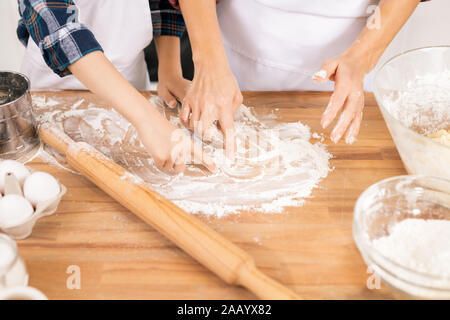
(276, 166)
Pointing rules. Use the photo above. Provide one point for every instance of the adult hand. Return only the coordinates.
(213, 96)
(169, 146)
(348, 73)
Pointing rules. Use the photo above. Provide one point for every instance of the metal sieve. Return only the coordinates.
(18, 134)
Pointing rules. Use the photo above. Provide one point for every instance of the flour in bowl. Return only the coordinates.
(420, 245)
(424, 104)
(276, 165)
(442, 136)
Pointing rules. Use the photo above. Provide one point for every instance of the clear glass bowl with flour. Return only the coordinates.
(402, 228)
(413, 92)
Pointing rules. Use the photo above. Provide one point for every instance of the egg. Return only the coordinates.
(18, 169)
(6, 254)
(14, 210)
(39, 187)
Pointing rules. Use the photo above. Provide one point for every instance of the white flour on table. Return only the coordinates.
(420, 245)
(276, 166)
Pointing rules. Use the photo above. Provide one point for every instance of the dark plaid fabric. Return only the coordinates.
(167, 21)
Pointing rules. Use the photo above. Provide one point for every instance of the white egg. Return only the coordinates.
(40, 186)
(6, 253)
(14, 209)
(18, 169)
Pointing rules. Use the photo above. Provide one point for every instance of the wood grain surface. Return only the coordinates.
(309, 249)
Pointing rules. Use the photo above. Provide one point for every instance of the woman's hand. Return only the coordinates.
(348, 73)
(348, 70)
(170, 147)
(213, 96)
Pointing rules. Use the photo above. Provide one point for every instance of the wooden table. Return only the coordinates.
(309, 249)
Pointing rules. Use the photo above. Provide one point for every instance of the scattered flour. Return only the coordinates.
(257, 240)
(276, 166)
(420, 245)
(50, 156)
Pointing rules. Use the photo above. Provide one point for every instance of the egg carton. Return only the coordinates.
(42, 209)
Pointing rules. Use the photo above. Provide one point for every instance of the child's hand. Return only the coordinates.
(169, 147)
(171, 84)
(172, 87)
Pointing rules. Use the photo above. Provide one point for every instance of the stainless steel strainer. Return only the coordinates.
(18, 135)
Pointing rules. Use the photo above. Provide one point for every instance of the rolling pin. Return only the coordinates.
(215, 252)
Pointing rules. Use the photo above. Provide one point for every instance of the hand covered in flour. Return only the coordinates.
(348, 98)
(170, 147)
(213, 96)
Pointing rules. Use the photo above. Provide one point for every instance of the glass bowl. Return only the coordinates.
(413, 92)
(382, 207)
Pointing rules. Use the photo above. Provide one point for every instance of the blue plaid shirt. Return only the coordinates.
(62, 42)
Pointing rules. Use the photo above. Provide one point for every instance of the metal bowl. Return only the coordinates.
(413, 92)
(18, 134)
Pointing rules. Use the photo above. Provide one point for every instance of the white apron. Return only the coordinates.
(123, 29)
(279, 44)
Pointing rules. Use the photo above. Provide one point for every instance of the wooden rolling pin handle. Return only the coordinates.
(55, 137)
(208, 247)
(263, 286)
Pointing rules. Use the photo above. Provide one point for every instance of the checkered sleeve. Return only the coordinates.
(54, 27)
(167, 21)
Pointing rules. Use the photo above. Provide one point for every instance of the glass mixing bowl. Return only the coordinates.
(413, 93)
(387, 203)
